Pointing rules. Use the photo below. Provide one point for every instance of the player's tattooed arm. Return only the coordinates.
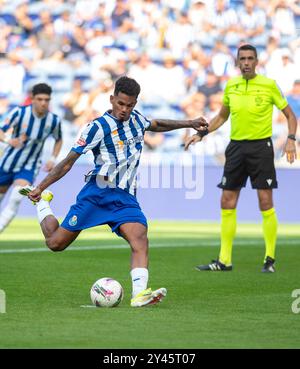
(164, 125)
(59, 170)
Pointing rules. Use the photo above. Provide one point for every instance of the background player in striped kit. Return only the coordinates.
(30, 125)
(116, 140)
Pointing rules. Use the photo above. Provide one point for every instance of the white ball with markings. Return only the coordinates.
(106, 292)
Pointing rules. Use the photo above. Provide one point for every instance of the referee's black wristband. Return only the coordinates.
(292, 137)
(203, 132)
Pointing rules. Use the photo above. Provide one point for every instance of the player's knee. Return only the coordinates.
(228, 202)
(265, 204)
(55, 244)
(265, 200)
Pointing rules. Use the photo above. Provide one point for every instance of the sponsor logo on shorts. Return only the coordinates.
(224, 180)
(73, 220)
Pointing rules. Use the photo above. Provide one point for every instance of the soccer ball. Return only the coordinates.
(106, 292)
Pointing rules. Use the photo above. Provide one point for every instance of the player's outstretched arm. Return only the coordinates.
(165, 125)
(56, 173)
(290, 146)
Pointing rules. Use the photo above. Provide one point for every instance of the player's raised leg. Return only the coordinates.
(136, 235)
(56, 237)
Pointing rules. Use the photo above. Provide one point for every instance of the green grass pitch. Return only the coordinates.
(244, 308)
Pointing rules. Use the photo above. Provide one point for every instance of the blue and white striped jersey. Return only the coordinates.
(117, 147)
(34, 131)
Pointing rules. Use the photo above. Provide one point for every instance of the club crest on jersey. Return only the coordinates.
(73, 221)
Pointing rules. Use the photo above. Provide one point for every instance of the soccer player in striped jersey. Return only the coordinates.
(116, 140)
(21, 160)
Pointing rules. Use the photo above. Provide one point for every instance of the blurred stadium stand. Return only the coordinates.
(97, 41)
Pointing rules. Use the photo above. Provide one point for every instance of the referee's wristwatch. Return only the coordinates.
(292, 137)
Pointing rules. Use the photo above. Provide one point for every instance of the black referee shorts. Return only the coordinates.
(254, 159)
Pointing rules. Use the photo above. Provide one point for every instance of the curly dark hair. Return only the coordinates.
(41, 88)
(127, 86)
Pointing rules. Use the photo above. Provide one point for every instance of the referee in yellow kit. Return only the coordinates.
(249, 99)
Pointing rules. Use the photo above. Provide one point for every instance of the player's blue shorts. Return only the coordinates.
(97, 206)
(7, 178)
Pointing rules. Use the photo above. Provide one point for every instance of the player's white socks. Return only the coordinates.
(139, 277)
(43, 210)
(10, 210)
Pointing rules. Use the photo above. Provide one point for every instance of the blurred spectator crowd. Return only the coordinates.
(181, 52)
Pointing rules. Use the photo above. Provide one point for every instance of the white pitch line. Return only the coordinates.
(198, 243)
(88, 306)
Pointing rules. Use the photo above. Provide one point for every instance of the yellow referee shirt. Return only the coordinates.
(251, 106)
